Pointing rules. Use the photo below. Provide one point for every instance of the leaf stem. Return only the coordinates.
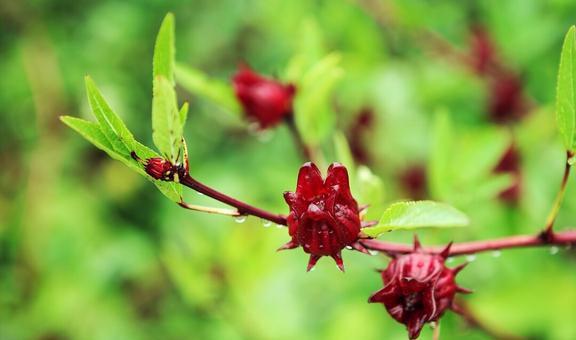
(559, 197)
(210, 210)
(243, 208)
(567, 238)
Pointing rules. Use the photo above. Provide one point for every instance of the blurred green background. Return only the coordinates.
(90, 250)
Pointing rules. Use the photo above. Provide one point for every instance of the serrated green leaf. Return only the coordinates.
(118, 135)
(417, 214)
(218, 92)
(166, 118)
(164, 50)
(566, 91)
(93, 133)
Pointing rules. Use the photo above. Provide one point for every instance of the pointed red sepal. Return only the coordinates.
(312, 262)
(338, 259)
(417, 245)
(358, 246)
(458, 268)
(456, 308)
(444, 253)
(289, 245)
(463, 290)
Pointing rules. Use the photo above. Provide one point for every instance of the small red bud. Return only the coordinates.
(159, 168)
(324, 217)
(418, 288)
(265, 101)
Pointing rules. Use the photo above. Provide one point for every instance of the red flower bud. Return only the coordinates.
(418, 288)
(159, 168)
(264, 100)
(324, 217)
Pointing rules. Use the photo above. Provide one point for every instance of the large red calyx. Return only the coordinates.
(418, 288)
(324, 217)
(265, 101)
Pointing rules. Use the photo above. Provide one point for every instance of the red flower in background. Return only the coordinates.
(510, 164)
(324, 217)
(265, 101)
(418, 288)
(482, 50)
(506, 98)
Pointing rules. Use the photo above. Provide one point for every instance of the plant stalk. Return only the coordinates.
(559, 197)
(243, 208)
(565, 238)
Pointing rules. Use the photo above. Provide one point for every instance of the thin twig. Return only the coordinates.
(243, 208)
(210, 210)
(559, 197)
(304, 149)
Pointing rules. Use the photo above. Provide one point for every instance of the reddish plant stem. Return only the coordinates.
(243, 208)
(303, 148)
(520, 241)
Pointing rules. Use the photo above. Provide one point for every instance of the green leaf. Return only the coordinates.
(566, 90)
(218, 92)
(183, 113)
(309, 49)
(167, 126)
(93, 133)
(417, 214)
(439, 170)
(164, 50)
(167, 120)
(118, 135)
(343, 153)
(313, 111)
(370, 190)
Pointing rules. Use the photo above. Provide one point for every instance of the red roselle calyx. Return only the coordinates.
(324, 217)
(265, 101)
(418, 288)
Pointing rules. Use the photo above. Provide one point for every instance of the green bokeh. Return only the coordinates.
(90, 250)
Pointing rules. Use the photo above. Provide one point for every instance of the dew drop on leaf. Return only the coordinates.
(240, 219)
